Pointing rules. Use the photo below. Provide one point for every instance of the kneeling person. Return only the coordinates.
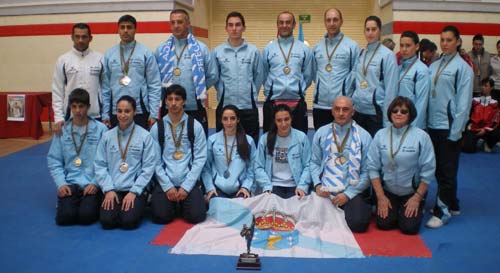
(71, 164)
(184, 153)
(124, 165)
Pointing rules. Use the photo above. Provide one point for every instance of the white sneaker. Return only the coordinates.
(487, 148)
(455, 212)
(434, 222)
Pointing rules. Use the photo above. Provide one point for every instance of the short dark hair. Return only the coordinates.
(128, 18)
(498, 43)
(479, 37)
(399, 102)
(79, 95)
(165, 91)
(488, 80)
(128, 99)
(81, 26)
(412, 35)
(375, 19)
(236, 14)
(180, 11)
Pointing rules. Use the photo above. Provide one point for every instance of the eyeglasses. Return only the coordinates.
(402, 111)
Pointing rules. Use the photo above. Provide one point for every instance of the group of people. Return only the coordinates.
(369, 148)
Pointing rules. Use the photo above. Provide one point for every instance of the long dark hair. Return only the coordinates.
(456, 34)
(241, 139)
(271, 135)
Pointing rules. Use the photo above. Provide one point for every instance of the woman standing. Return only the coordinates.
(229, 168)
(376, 80)
(449, 107)
(283, 155)
(401, 165)
(414, 80)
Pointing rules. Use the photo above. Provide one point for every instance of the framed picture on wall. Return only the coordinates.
(16, 110)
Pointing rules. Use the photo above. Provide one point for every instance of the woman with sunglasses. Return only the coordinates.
(401, 165)
(283, 155)
(449, 109)
(229, 168)
(414, 81)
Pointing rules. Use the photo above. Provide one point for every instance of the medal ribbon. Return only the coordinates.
(78, 149)
(406, 71)
(334, 49)
(439, 70)
(122, 152)
(180, 56)
(287, 58)
(340, 149)
(365, 66)
(177, 139)
(393, 154)
(229, 157)
(125, 64)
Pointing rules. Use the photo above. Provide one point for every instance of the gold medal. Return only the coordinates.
(177, 72)
(363, 84)
(328, 67)
(286, 70)
(178, 155)
(77, 162)
(340, 160)
(125, 80)
(123, 167)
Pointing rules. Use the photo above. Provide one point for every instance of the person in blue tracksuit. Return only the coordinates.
(124, 164)
(240, 75)
(186, 61)
(288, 66)
(338, 164)
(414, 79)
(448, 112)
(376, 82)
(334, 61)
(130, 69)
(282, 161)
(401, 164)
(181, 163)
(229, 168)
(71, 164)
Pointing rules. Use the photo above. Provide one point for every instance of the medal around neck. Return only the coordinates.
(78, 161)
(287, 70)
(177, 72)
(123, 167)
(340, 160)
(328, 68)
(363, 84)
(178, 155)
(125, 80)
(227, 174)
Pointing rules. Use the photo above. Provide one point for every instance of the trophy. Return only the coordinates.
(248, 261)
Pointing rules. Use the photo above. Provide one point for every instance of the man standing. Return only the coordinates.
(339, 164)
(184, 60)
(240, 78)
(130, 69)
(78, 68)
(481, 63)
(334, 58)
(288, 65)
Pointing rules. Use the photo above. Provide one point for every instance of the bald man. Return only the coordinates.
(338, 164)
(334, 60)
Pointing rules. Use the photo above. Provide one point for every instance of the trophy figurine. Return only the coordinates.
(248, 260)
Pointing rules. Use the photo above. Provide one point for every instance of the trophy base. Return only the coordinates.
(248, 261)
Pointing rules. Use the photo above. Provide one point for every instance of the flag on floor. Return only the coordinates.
(310, 228)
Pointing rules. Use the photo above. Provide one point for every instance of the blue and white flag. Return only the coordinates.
(309, 228)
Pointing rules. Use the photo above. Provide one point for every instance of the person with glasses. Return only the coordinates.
(229, 168)
(401, 165)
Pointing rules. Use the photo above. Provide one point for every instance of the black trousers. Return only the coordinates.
(193, 208)
(371, 123)
(447, 158)
(78, 209)
(321, 117)
(284, 192)
(299, 116)
(470, 140)
(397, 218)
(139, 119)
(125, 219)
(357, 214)
(249, 119)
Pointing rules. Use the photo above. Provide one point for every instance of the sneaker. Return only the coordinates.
(434, 222)
(487, 148)
(454, 212)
